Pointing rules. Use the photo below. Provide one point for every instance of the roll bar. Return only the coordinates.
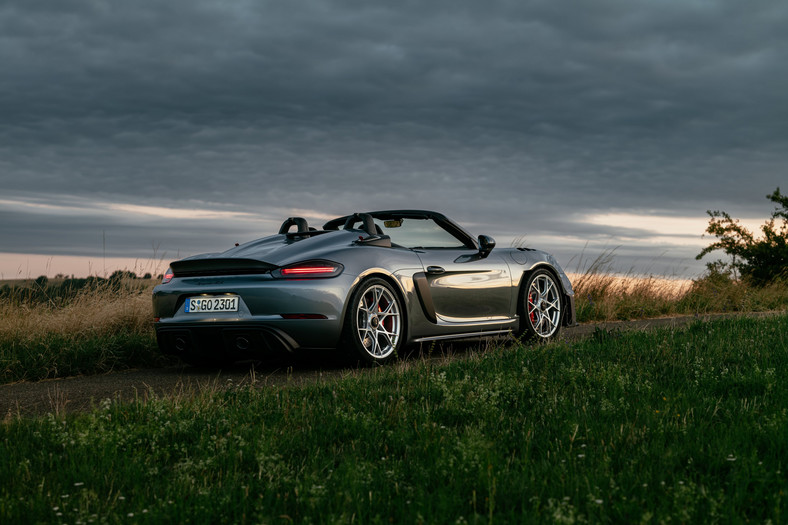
(367, 223)
(300, 222)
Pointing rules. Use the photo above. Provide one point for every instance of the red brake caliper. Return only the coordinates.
(531, 309)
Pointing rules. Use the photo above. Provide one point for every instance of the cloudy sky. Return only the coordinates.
(155, 129)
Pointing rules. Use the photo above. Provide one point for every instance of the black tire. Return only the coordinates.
(541, 307)
(374, 323)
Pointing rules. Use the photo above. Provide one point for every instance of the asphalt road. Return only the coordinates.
(82, 393)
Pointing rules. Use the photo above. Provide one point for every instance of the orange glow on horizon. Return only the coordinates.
(30, 266)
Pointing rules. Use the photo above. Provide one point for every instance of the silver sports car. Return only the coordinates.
(367, 284)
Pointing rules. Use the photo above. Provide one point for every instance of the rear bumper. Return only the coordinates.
(222, 342)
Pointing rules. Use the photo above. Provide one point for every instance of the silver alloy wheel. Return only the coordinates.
(544, 306)
(378, 320)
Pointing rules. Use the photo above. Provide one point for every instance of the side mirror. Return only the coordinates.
(486, 245)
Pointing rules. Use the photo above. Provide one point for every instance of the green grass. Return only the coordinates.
(64, 355)
(681, 426)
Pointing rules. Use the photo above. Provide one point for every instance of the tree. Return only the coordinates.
(759, 260)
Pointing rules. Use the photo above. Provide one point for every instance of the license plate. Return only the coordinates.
(225, 303)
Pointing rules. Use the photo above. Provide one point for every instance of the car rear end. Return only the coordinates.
(214, 310)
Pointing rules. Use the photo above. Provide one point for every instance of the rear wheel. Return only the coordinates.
(375, 323)
(542, 307)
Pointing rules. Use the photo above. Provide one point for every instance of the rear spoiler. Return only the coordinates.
(219, 266)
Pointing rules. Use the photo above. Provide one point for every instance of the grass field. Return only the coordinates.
(54, 333)
(667, 426)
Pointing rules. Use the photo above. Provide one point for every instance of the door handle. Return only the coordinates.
(435, 270)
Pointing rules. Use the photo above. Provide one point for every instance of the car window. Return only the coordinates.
(419, 233)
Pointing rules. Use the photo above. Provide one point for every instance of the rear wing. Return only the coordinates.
(219, 266)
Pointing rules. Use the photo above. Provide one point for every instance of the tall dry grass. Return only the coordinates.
(100, 328)
(601, 294)
(92, 311)
(610, 296)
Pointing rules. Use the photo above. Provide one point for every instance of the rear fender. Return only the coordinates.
(389, 278)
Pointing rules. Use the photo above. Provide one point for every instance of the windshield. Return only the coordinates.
(418, 233)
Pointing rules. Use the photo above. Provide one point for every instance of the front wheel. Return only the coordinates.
(375, 322)
(542, 307)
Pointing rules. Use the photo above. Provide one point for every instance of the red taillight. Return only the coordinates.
(309, 270)
(168, 275)
(303, 270)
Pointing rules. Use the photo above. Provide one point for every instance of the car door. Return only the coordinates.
(465, 287)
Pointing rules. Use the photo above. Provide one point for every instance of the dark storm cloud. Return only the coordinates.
(515, 116)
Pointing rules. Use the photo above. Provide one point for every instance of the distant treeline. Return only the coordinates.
(61, 290)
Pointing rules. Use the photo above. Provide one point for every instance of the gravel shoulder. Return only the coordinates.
(82, 393)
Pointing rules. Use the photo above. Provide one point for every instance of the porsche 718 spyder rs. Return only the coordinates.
(367, 283)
